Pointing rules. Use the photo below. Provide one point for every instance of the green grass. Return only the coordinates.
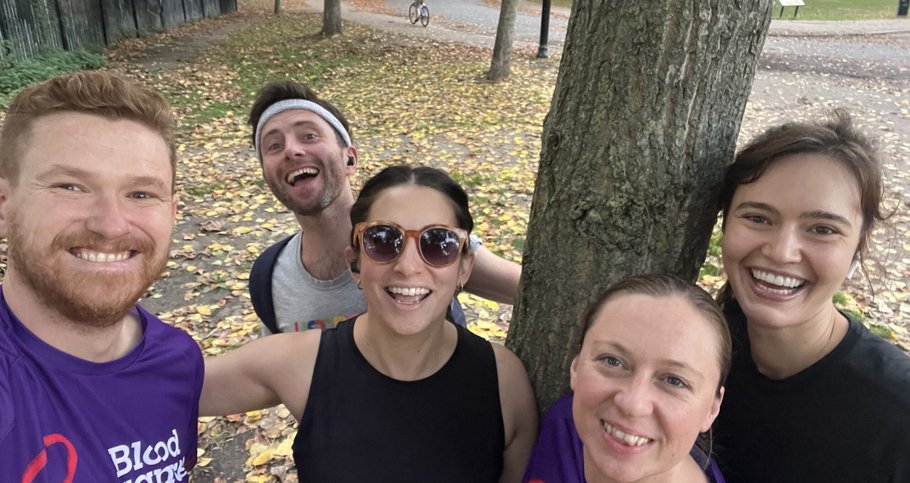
(818, 9)
(556, 3)
(841, 10)
(286, 48)
(16, 74)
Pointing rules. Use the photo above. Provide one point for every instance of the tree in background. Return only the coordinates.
(331, 18)
(643, 121)
(502, 47)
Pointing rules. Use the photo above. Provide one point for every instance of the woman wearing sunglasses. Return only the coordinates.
(398, 393)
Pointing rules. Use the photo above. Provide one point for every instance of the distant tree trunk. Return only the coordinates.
(277, 7)
(502, 48)
(643, 121)
(331, 18)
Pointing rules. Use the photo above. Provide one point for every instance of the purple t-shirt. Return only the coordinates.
(65, 419)
(558, 455)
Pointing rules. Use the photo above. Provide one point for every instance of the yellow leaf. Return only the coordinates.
(203, 310)
(285, 448)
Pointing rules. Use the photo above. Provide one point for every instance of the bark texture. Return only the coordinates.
(502, 47)
(643, 121)
(331, 18)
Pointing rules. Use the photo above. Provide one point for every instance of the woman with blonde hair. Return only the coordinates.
(648, 379)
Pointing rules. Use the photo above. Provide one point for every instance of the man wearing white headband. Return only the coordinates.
(306, 150)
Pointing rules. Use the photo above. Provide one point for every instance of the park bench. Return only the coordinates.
(790, 3)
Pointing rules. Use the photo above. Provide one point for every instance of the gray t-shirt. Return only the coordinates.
(304, 302)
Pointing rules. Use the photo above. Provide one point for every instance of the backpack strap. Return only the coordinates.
(261, 285)
(456, 314)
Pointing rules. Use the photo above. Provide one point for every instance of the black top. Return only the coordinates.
(844, 419)
(360, 425)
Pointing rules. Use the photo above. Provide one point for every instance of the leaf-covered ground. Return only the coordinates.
(426, 103)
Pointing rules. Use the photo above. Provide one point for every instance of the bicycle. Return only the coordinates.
(419, 11)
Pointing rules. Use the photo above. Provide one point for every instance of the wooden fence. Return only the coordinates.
(29, 27)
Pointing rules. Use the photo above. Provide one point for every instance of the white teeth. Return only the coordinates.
(409, 291)
(778, 280)
(301, 171)
(629, 439)
(100, 257)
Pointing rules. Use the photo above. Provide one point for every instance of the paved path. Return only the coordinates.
(474, 22)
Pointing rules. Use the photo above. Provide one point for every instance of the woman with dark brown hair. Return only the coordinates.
(813, 395)
(397, 394)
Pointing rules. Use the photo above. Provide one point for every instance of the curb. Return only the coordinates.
(828, 34)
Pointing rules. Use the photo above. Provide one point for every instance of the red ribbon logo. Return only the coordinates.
(40, 461)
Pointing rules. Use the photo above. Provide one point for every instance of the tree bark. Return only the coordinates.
(643, 121)
(277, 7)
(502, 48)
(331, 18)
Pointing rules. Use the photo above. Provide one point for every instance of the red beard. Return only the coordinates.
(91, 298)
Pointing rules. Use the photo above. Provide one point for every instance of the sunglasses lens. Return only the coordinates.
(382, 243)
(439, 246)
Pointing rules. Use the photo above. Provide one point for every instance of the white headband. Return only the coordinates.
(287, 104)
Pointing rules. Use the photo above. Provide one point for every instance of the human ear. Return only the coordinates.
(174, 200)
(5, 217)
(854, 264)
(465, 267)
(353, 263)
(351, 160)
(573, 373)
(715, 410)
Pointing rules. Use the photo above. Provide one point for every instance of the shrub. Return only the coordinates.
(18, 73)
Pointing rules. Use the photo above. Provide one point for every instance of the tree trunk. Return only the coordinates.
(502, 48)
(331, 18)
(277, 7)
(643, 121)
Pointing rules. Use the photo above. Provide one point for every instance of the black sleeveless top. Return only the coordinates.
(360, 425)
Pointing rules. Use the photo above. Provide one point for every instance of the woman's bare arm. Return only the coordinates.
(519, 414)
(265, 372)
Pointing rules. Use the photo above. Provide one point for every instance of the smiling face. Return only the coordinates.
(407, 294)
(90, 215)
(302, 161)
(789, 240)
(645, 384)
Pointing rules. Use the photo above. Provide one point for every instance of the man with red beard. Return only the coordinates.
(305, 147)
(92, 387)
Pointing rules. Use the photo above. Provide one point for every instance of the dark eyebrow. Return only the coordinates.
(824, 215)
(812, 215)
(755, 205)
(302, 122)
